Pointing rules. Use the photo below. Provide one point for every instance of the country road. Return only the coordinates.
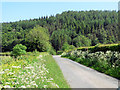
(80, 76)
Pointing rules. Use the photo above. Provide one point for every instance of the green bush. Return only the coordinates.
(59, 52)
(67, 47)
(52, 51)
(18, 50)
(71, 47)
(81, 40)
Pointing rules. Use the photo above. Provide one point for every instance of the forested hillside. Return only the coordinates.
(83, 28)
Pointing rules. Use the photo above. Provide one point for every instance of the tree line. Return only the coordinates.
(77, 28)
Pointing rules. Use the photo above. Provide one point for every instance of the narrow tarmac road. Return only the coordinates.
(80, 76)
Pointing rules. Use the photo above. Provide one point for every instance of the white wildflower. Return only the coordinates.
(7, 83)
(16, 67)
(13, 78)
(6, 69)
(28, 86)
(41, 72)
(10, 73)
(36, 85)
(23, 87)
(37, 77)
(27, 78)
(2, 72)
(47, 71)
(6, 86)
(45, 86)
(13, 82)
(17, 83)
(29, 72)
(29, 67)
(33, 82)
(40, 56)
(49, 81)
(57, 86)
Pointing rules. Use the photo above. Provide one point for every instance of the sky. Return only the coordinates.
(15, 11)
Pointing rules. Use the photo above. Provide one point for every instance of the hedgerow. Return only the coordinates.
(102, 47)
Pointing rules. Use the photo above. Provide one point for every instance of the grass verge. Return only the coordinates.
(55, 72)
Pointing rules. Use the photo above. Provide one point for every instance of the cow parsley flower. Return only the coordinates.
(6, 86)
(23, 87)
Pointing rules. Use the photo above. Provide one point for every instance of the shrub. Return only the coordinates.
(59, 52)
(52, 51)
(81, 40)
(18, 50)
(71, 47)
(66, 46)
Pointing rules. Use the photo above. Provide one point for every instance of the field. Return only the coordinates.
(34, 70)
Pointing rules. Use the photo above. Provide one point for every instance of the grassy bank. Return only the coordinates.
(34, 70)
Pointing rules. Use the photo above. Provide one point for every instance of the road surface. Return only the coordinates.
(80, 76)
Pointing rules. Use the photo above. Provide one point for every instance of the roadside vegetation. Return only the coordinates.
(32, 70)
(101, 47)
(100, 58)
